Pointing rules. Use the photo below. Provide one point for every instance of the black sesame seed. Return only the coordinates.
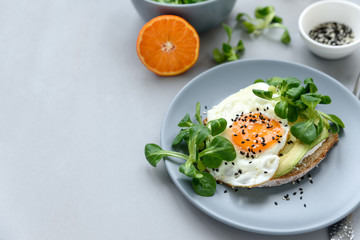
(304, 205)
(276, 203)
(225, 191)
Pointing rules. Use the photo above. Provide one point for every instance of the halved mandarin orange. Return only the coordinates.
(168, 45)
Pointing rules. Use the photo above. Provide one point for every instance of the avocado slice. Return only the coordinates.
(293, 153)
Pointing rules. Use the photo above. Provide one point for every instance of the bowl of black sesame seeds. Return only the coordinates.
(331, 28)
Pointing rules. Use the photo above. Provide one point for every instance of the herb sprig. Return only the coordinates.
(206, 149)
(296, 103)
(264, 18)
(228, 53)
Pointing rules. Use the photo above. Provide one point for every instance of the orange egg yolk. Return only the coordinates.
(255, 133)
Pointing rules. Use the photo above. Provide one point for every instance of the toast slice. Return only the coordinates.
(306, 164)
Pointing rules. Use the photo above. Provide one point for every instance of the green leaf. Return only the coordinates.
(292, 113)
(240, 16)
(277, 19)
(186, 121)
(263, 12)
(189, 170)
(320, 125)
(285, 37)
(311, 100)
(155, 153)
(198, 133)
(337, 120)
(281, 109)
(300, 105)
(239, 46)
(258, 81)
(218, 56)
(211, 162)
(227, 49)
(197, 113)
(305, 131)
(275, 81)
(310, 87)
(250, 28)
(205, 186)
(325, 99)
(263, 94)
(219, 148)
(183, 134)
(217, 126)
(290, 82)
(295, 92)
(228, 31)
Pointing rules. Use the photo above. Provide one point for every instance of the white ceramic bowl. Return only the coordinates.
(340, 11)
(202, 16)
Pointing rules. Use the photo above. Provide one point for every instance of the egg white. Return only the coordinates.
(245, 171)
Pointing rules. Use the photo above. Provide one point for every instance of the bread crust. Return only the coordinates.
(306, 165)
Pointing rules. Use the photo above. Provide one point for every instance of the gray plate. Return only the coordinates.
(336, 182)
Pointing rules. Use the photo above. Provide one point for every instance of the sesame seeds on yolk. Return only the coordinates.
(255, 133)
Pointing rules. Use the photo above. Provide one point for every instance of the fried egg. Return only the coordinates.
(257, 134)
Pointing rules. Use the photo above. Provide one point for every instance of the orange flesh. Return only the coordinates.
(168, 45)
(255, 133)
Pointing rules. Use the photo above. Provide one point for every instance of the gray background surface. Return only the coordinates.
(77, 108)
